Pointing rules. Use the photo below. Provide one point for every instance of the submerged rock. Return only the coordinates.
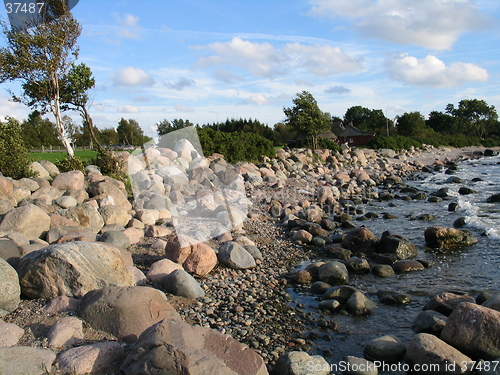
(440, 237)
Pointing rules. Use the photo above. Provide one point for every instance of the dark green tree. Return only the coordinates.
(109, 136)
(38, 131)
(39, 57)
(165, 126)
(442, 122)
(370, 120)
(130, 133)
(474, 116)
(15, 160)
(412, 124)
(306, 117)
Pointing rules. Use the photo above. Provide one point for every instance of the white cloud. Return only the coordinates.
(265, 60)
(130, 20)
(227, 76)
(258, 99)
(128, 109)
(433, 24)
(129, 27)
(132, 77)
(432, 72)
(337, 90)
(181, 84)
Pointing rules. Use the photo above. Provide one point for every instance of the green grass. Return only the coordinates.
(54, 156)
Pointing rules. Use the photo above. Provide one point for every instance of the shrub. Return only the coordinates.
(70, 164)
(14, 159)
(394, 142)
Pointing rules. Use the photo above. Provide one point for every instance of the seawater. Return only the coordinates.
(464, 270)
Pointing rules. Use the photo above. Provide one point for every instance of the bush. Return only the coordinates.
(14, 160)
(70, 164)
(394, 142)
(458, 141)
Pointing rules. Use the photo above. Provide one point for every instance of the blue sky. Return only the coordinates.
(208, 61)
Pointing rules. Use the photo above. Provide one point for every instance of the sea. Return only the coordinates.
(471, 270)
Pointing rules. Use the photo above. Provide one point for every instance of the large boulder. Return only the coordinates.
(110, 187)
(114, 215)
(63, 234)
(72, 269)
(439, 237)
(475, 330)
(181, 283)
(233, 255)
(10, 291)
(385, 348)
(300, 363)
(445, 303)
(333, 273)
(175, 347)
(72, 180)
(396, 245)
(196, 257)
(86, 216)
(126, 312)
(360, 240)
(9, 251)
(29, 220)
(429, 321)
(26, 360)
(6, 190)
(426, 350)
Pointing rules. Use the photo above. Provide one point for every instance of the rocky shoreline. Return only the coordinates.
(290, 199)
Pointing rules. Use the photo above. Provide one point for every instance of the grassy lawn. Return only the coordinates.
(54, 156)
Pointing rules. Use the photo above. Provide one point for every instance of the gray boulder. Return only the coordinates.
(175, 347)
(359, 304)
(126, 312)
(9, 251)
(429, 321)
(114, 215)
(396, 245)
(29, 220)
(111, 187)
(386, 349)
(427, 350)
(360, 240)
(70, 233)
(10, 291)
(17, 360)
(86, 216)
(333, 273)
(181, 283)
(72, 269)
(233, 255)
(300, 363)
(358, 366)
(493, 302)
(115, 238)
(475, 330)
(72, 180)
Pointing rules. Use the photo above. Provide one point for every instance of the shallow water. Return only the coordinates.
(466, 270)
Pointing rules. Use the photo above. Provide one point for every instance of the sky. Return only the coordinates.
(207, 61)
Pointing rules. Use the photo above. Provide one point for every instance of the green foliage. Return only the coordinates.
(108, 163)
(306, 117)
(235, 147)
(39, 132)
(130, 133)
(458, 141)
(53, 157)
(474, 116)
(248, 126)
(324, 143)
(14, 160)
(370, 120)
(165, 126)
(70, 164)
(394, 142)
(412, 125)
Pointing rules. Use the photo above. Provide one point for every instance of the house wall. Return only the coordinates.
(356, 140)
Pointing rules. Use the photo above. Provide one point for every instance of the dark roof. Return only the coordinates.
(327, 135)
(352, 131)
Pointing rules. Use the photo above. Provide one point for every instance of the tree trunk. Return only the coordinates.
(90, 125)
(61, 131)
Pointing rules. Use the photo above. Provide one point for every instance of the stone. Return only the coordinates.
(156, 231)
(429, 321)
(358, 366)
(425, 350)
(10, 252)
(126, 312)
(6, 206)
(302, 277)
(66, 201)
(360, 240)
(357, 265)
(34, 361)
(233, 255)
(493, 302)
(38, 170)
(134, 234)
(445, 303)
(439, 237)
(110, 187)
(50, 167)
(61, 304)
(194, 256)
(29, 220)
(302, 236)
(72, 269)
(10, 334)
(86, 216)
(407, 265)
(332, 305)
(300, 363)
(397, 245)
(254, 252)
(181, 283)
(383, 270)
(174, 344)
(99, 358)
(65, 332)
(319, 287)
(114, 215)
(385, 349)
(115, 238)
(495, 198)
(66, 234)
(333, 273)
(474, 330)
(72, 180)
(160, 269)
(10, 292)
(359, 304)
(389, 297)
(6, 190)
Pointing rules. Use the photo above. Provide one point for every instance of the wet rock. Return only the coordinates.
(385, 349)
(126, 312)
(340, 293)
(383, 270)
(358, 366)
(388, 297)
(495, 198)
(429, 321)
(360, 240)
(406, 265)
(332, 305)
(34, 361)
(181, 283)
(445, 303)
(357, 265)
(336, 251)
(302, 277)
(475, 330)
(493, 302)
(29, 220)
(72, 269)
(359, 304)
(10, 292)
(442, 193)
(466, 191)
(99, 358)
(333, 273)
(173, 344)
(319, 287)
(425, 350)
(440, 237)
(300, 363)
(235, 256)
(397, 245)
